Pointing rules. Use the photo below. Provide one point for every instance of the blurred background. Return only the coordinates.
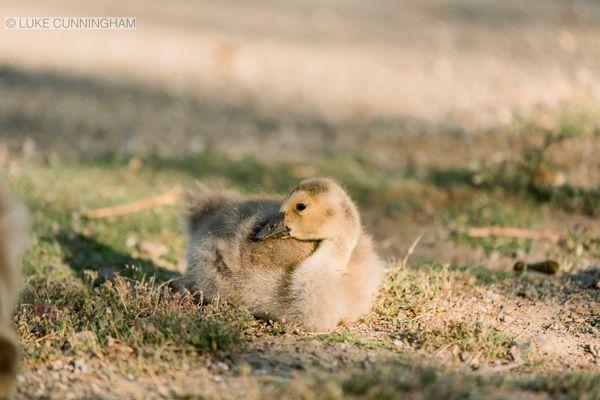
(283, 79)
(385, 96)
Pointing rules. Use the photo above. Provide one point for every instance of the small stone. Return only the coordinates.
(66, 348)
(221, 366)
(119, 347)
(455, 351)
(153, 249)
(57, 365)
(79, 366)
(297, 364)
(515, 355)
(543, 344)
(83, 337)
(131, 241)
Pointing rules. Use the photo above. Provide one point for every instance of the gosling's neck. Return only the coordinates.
(334, 253)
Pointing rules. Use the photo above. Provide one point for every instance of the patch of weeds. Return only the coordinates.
(471, 337)
(483, 275)
(416, 306)
(280, 326)
(408, 292)
(579, 385)
(335, 337)
(403, 296)
(353, 339)
(534, 286)
(141, 314)
(579, 242)
(592, 326)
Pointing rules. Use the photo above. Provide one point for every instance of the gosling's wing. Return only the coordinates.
(235, 220)
(276, 253)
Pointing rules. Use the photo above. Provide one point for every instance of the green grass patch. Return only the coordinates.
(486, 210)
(416, 305)
(141, 314)
(354, 340)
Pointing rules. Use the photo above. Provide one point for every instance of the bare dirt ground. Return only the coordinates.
(404, 98)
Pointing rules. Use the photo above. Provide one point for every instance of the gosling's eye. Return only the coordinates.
(301, 207)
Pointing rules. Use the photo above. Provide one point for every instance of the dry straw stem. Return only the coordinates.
(411, 250)
(168, 198)
(508, 232)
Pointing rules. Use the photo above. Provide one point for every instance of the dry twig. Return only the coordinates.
(169, 198)
(507, 232)
(411, 250)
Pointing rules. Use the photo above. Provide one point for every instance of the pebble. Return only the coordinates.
(79, 366)
(221, 366)
(515, 354)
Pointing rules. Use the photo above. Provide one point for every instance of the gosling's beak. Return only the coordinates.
(273, 228)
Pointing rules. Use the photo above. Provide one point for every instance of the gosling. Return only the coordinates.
(13, 239)
(305, 258)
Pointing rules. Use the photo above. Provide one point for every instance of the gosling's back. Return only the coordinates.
(225, 260)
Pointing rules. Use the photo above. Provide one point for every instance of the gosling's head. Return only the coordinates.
(316, 209)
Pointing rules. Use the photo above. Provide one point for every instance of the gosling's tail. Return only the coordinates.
(204, 201)
(14, 228)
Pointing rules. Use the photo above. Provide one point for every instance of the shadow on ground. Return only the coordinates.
(87, 117)
(83, 253)
(568, 197)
